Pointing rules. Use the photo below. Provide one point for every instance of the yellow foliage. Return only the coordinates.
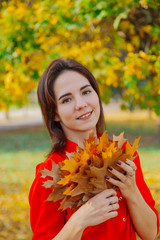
(147, 28)
(21, 12)
(143, 3)
(112, 78)
(125, 24)
(135, 41)
(130, 47)
(36, 60)
(40, 34)
(144, 55)
(54, 20)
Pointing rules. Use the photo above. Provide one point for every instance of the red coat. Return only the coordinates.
(47, 220)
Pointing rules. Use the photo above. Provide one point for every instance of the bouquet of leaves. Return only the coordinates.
(82, 174)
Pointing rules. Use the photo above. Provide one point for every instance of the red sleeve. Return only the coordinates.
(144, 189)
(46, 219)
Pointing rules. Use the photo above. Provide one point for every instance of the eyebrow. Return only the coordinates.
(68, 94)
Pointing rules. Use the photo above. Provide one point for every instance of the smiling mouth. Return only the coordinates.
(85, 115)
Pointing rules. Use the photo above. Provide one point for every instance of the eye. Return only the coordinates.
(66, 100)
(86, 92)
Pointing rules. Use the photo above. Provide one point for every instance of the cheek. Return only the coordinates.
(98, 110)
(95, 102)
(65, 111)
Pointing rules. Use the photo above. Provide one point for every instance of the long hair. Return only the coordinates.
(46, 98)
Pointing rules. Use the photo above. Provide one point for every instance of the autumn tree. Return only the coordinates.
(117, 40)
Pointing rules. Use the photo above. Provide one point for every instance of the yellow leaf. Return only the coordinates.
(69, 189)
(70, 165)
(131, 149)
(85, 157)
(66, 180)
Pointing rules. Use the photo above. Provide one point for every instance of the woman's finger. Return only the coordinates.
(115, 182)
(113, 207)
(118, 174)
(125, 167)
(131, 164)
(107, 193)
(112, 200)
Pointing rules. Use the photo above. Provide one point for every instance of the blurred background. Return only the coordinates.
(118, 41)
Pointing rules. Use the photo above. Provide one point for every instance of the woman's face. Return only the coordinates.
(78, 108)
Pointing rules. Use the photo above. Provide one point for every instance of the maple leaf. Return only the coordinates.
(120, 139)
(70, 165)
(69, 189)
(70, 155)
(77, 179)
(85, 157)
(76, 198)
(98, 181)
(56, 194)
(82, 187)
(90, 140)
(103, 143)
(54, 173)
(48, 184)
(131, 149)
(96, 161)
(108, 152)
(65, 204)
(65, 180)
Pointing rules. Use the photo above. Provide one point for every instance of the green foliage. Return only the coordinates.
(117, 40)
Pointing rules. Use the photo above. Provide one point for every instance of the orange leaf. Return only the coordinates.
(84, 158)
(103, 142)
(82, 187)
(131, 149)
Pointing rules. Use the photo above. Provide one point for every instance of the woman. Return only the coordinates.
(69, 99)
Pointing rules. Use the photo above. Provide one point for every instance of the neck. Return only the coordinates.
(79, 137)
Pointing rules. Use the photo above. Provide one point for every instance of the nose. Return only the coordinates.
(80, 103)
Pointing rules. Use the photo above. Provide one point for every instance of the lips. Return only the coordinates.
(86, 115)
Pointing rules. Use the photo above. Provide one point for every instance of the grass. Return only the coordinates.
(21, 151)
(150, 158)
(132, 127)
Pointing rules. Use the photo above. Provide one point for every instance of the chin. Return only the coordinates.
(88, 129)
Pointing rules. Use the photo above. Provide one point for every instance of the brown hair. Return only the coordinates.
(47, 101)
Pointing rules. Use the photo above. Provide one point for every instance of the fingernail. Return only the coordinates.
(110, 168)
(119, 163)
(107, 177)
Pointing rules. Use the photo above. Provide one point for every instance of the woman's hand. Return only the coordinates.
(126, 182)
(143, 217)
(98, 209)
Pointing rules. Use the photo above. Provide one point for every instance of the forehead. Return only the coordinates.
(69, 81)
